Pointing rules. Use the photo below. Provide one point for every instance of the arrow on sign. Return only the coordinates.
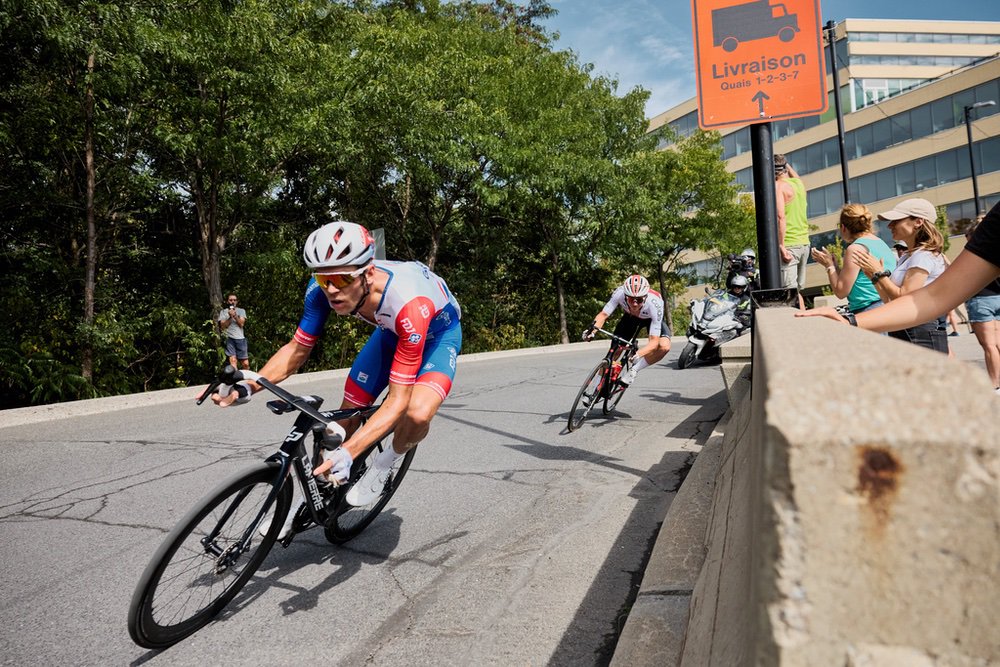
(759, 99)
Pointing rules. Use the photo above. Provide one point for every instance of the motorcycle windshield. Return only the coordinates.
(718, 305)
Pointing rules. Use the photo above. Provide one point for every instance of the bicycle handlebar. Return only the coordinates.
(631, 343)
(230, 376)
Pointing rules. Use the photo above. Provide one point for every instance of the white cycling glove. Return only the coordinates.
(588, 334)
(241, 388)
(341, 470)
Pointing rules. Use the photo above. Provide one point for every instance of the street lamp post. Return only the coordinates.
(972, 158)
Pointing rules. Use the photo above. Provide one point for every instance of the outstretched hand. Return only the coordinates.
(826, 311)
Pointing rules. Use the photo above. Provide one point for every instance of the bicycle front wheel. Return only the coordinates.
(351, 520)
(611, 402)
(207, 558)
(589, 395)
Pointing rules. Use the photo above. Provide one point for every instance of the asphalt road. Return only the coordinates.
(511, 541)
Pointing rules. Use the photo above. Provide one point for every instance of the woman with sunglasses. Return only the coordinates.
(413, 349)
(643, 309)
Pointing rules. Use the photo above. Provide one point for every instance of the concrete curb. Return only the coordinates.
(53, 411)
(656, 627)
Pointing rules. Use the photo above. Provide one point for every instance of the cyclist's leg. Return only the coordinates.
(627, 327)
(433, 384)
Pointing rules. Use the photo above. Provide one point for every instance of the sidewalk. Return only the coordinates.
(655, 630)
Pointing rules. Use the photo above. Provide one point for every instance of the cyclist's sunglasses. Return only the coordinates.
(338, 280)
(637, 300)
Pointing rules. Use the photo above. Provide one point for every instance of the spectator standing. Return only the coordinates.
(911, 221)
(974, 268)
(848, 280)
(232, 319)
(984, 316)
(793, 227)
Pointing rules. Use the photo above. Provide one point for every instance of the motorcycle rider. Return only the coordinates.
(739, 289)
(643, 308)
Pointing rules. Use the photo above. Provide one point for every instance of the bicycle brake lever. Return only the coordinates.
(209, 390)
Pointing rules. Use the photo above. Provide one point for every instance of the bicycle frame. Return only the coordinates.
(292, 455)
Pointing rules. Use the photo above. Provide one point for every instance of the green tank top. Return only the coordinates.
(796, 225)
(863, 292)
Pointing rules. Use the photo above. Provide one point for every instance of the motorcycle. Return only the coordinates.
(715, 319)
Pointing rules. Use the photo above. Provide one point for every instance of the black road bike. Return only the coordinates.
(218, 546)
(602, 385)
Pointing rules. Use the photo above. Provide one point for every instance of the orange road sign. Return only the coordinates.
(758, 61)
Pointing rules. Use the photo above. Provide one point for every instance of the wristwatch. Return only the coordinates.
(879, 275)
(849, 316)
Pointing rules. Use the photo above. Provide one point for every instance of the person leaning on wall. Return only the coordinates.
(984, 316)
(975, 267)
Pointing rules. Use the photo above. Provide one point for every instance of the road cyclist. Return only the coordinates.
(642, 308)
(413, 351)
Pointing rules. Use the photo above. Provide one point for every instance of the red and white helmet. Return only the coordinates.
(338, 244)
(636, 286)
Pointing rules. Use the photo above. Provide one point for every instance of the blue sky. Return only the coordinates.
(649, 43)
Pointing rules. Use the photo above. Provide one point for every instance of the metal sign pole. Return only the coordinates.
(762, 149)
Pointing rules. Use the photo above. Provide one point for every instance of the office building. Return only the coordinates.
(905, 87)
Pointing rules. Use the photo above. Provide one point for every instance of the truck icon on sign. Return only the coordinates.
(750, 21)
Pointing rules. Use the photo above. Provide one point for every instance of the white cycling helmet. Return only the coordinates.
(338, 244)
(636, 286)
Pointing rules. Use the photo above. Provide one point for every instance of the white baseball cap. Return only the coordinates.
(915, 208)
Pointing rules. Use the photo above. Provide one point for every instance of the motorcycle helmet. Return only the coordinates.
(636, 286)
(748, 253)
(338, 244)
(738, 282)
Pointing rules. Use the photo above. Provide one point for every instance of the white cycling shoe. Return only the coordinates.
(628, 377)
(298, 500)
(370, 486)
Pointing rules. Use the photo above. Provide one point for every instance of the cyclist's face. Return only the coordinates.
(343, 288)
(635, 303)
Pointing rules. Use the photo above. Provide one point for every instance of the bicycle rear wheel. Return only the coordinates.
(190, 578)
(588, 396)
(351, 520)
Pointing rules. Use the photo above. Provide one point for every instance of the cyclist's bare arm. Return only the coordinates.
(285, 362)
(599, 321)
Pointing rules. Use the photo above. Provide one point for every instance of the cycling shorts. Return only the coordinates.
(630, 325)
(369, 374)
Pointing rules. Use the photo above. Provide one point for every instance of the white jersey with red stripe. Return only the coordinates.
(652, 308)
(413, 298)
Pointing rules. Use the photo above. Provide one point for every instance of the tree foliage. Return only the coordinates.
(221, 133)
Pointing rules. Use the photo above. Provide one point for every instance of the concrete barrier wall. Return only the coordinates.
(856, 515)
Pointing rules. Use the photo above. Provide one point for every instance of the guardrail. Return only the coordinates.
(856, 509)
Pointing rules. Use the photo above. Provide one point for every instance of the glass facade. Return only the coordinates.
(923, 38)
(908, 177)
(915, 60)
(922, 121)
